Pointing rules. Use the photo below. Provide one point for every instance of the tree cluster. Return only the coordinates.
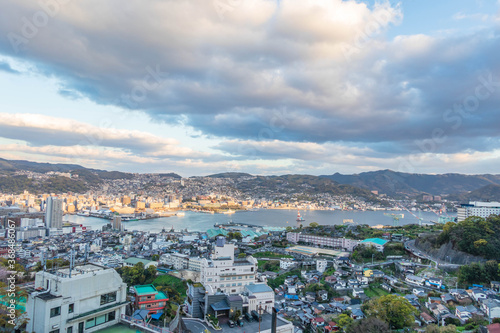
(479, 273)
(137, 274)
(475, 235)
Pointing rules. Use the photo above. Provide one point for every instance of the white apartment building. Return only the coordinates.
(321, 265)
(477, 208)
(223, 272)
(286, 263)
(194, 264)
(91, 298)
(339, 243)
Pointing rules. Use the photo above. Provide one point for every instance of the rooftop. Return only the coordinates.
(134, 261)
(147, 289)
(259, 288)
(378, 241)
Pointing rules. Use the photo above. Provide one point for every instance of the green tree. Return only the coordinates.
(313, 225)
(242, 255)
(343, 321)
(394, 310)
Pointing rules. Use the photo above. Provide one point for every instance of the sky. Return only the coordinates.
(266, 87)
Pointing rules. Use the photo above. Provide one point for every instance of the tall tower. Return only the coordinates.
(117, 222)
(53, 213)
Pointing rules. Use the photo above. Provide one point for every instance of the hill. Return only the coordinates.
(475, 235)
(298, 186)
(486, 193)
(394, 183)
(16, 165)
(232, 175)
(10, 182)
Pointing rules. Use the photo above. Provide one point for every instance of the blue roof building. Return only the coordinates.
(379, 243)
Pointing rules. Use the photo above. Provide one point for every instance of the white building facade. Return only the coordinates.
(94, 297)
(222, 272)
(333, 242)
(477, 208)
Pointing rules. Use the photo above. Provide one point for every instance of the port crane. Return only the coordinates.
(395, 218)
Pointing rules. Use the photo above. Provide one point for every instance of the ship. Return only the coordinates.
(299, 218)
(229, 211)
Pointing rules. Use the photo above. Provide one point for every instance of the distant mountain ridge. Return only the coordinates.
(458, 187)
(486, 193)
(393, 183)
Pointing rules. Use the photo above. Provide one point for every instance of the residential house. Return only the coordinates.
(491, 307)
(331, 279)
(323, 295)
(465, 313)
(318, 322)
(427, 318)
(415, 280)
(358, 292)
(386, 287)
(148, 298)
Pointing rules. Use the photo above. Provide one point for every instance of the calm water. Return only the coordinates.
(266, 217)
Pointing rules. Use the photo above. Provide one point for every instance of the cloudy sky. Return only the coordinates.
(259, 86)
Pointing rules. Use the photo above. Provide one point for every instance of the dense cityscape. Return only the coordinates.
(298, 277)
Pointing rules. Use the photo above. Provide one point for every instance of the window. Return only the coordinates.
(54, 312)
(108, 298)
(71, 308)
(54, 331)
(69, 329)
(111, 316)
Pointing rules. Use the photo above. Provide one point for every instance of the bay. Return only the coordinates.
(193, 221)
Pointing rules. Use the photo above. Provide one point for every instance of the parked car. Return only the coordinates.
(231, 323)
(256, 315)
(248, 317)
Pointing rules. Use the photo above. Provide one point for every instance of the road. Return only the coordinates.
(410, 246)
(195, 326)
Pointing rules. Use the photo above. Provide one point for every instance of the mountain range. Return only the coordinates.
(455, 186)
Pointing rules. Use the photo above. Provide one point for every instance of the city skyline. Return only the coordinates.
(264, 87)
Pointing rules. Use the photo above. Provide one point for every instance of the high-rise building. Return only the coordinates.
(53, 213)
(117, 222)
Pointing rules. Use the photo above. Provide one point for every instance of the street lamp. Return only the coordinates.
(372, 257)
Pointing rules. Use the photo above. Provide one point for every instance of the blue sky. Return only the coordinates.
(199, 87)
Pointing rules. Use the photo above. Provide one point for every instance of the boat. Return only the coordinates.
(229, 211)
(299, 218)
(180, 214)
(84, 213)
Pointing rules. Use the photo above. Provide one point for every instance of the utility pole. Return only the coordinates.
(260, 317)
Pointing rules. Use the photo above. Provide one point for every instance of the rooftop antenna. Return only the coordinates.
(43, 261)
(86, 252)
